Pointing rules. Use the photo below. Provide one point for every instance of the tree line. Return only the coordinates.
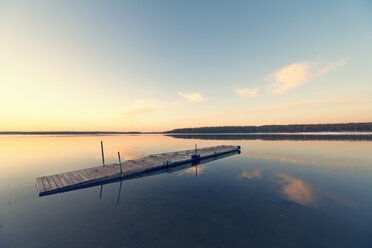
(295, 128)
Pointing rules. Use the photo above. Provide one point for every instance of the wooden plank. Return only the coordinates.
(62, 179)
(46, 183)
(52, 184)
(78, 178)
(82, 175)
(40, 185)
(86, 174)
(114, 169)
(57, 181)
(67, 179)
(71, 178)
(92, 172)
(100, 172)
(128, 166)
(96, 173)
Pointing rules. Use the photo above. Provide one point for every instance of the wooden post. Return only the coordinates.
(103, 155)
(195, 156)
(103, 163)
(121, 169)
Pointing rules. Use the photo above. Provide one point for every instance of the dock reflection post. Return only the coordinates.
(100, 192)
(118, 200)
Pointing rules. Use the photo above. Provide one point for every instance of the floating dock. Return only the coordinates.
(92, 176)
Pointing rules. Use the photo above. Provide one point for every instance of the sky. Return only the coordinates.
(159, 65)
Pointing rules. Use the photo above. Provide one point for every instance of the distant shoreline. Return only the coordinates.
(292, 128)
(278, 136)
(65, 133)
(284, 129)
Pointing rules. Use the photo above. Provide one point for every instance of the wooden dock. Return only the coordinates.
(91, 176)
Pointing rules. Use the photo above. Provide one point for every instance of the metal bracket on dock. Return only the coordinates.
(195, 157)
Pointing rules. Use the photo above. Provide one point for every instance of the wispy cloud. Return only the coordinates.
(247, 92)
(192, 97)
(294, 75)
(140, 108)
(330, 67)
(343, 100)
(276, 107)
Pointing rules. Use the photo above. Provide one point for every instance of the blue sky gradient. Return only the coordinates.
(155, 65)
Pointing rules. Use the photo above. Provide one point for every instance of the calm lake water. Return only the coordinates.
(276, 193)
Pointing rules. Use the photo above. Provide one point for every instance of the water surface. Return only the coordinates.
(276, 193)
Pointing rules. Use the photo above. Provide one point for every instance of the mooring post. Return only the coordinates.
(121, 169)
(103, 155)
(195, 156)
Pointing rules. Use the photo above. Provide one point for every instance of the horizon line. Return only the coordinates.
(144, 132)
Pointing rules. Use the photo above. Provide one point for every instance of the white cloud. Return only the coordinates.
(294, 75)
(289, 77)
(247, 92)
(192, 97)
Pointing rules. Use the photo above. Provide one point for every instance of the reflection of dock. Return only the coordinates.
(131, 168)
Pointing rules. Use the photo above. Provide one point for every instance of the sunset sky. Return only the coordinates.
(159, 65)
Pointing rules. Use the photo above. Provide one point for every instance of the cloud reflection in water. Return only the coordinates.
(295, 189)
(250, 174)
(192, 170)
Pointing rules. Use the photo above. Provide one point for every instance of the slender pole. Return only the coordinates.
(103, 163)
(103, 155)
(121, 169)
